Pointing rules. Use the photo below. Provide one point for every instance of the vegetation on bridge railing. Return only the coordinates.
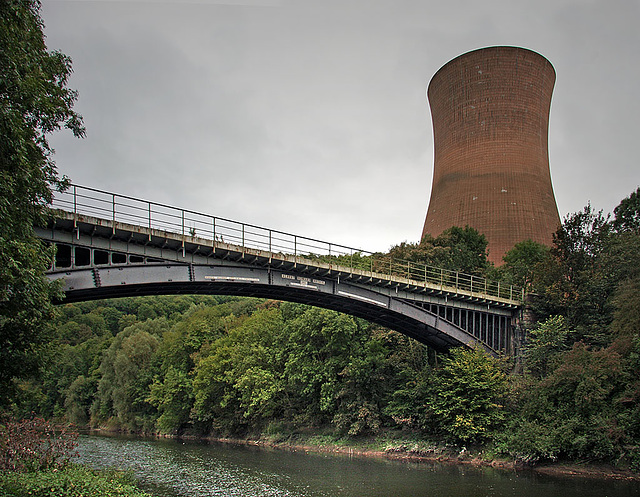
(123, 209)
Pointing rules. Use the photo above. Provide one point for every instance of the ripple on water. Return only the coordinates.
(167, 470)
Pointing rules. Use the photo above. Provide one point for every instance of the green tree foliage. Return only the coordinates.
(171, 392)
(78, 399)
(523, 263)
(411, 369)
(591, 257)
(365, 383)
(300, 365)
(625, 328)
(322, 342)
(626, 216)
(240, 378)
(173, 397)
(468, 394)
(202, 324)
(576, 282)
(626, 317)
(621, 258)
(575, 411)
(456, 249)
(126, 375)
(581, 398)
(34, 102)
(545, 344)
(233, 367)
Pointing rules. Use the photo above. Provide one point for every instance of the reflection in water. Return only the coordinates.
(172, 468)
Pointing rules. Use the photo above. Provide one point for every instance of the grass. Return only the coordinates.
(388, 441)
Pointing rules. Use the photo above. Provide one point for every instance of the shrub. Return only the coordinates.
(34, 445)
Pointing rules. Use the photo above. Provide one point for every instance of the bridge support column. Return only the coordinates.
(522, 325)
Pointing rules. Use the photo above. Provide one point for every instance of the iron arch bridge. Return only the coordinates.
(110, 245)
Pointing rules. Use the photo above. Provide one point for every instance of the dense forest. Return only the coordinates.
(227, 366)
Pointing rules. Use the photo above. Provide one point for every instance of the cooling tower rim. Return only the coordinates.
(489, 48)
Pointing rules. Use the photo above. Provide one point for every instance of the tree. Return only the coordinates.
(127, 370)
(523, 262)
(624, 249)
(576, 281)
(173, 398)
(238, 383)
(581, 239)
(366, 382)
(627, 214)
(626, 317)
(468, 395)
(456, 249)
(573, 412)
(591, 257)
(409, 361)
(545, 342)
(467, 250)
(34, 102)
(321, 346)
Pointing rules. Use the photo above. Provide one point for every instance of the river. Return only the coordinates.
(171, 468)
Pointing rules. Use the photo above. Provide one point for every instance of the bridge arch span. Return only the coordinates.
(130, 280)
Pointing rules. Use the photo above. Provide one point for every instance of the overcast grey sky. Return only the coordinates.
(310, 116)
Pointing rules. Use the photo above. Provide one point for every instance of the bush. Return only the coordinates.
(530, 442)
(72, 481)
(576, 412)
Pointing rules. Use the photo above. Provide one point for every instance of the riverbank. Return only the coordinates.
(399, 447)
(419, 451)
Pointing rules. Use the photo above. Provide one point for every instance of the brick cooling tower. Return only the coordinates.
(490, 112)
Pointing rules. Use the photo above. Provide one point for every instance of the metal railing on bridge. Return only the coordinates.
(88, 201)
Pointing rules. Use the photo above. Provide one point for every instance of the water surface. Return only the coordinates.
(171, 468)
